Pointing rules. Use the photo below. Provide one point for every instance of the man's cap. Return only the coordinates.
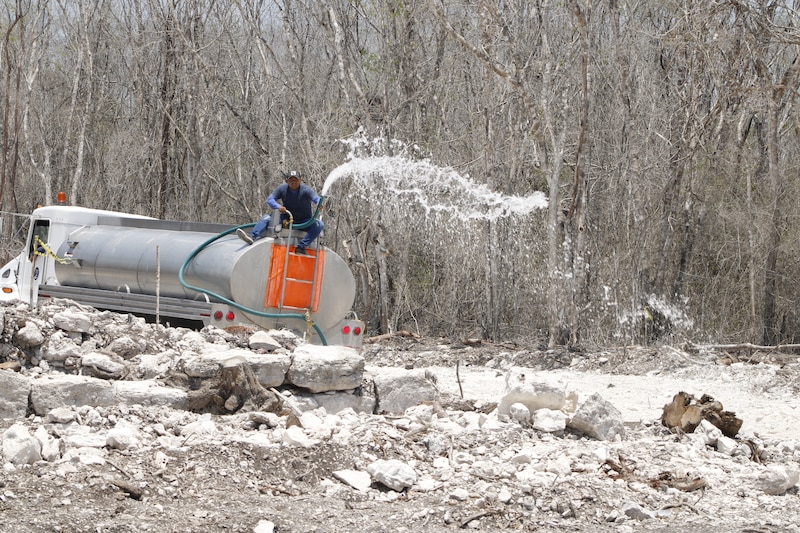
(292, 174)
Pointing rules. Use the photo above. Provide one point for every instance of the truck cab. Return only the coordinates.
(21, 277)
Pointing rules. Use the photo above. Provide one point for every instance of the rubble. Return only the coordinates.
(685, 412)
(112, 418)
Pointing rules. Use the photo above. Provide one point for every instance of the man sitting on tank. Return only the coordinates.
(296, 198)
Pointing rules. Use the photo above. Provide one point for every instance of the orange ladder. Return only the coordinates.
(294, 279)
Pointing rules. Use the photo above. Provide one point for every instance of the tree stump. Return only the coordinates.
(685, 412)
(234, 388)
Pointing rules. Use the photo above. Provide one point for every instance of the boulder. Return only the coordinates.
(263, 341)
(149, 393)
(269, 368)
(29, 336)
(523, 387)
(65, 390)
(20, 447)
(392, 473)
(73, 321)
(325, 368)
(597, 418)
(399, 389)
(14, 391)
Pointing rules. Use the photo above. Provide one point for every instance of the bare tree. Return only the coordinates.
(14, 42)
(663, 134)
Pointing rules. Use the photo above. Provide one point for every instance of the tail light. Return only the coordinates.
(218, 315)
(346, 330)
(230, 316)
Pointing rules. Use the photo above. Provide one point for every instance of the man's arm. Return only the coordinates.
(315, 199)
(272, 199)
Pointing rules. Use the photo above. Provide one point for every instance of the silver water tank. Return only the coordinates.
(142, 260)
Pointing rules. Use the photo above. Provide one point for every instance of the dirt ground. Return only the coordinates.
(235, 480)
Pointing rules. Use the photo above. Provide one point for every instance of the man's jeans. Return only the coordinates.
(312, 231)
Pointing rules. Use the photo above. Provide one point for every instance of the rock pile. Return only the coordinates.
(74, 357)
(186, 430)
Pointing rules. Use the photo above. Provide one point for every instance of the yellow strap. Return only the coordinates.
(309, 323)
(47, 251)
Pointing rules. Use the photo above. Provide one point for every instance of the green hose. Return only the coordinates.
(230, 302)
(314, 217)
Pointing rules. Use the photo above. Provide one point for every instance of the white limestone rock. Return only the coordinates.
(325, 368)
(204, 425)
(59, 347)
(333, 402)
(522, 386)
(84, 437)
(20, 447)
(126, 346)
(776, 479)
(549, 420)
(264, 526)
(637, 512)
(597, 418)
(263, 340)
(520, 413)
(150, 366)
(102, 365)
(74, 321)
(392, 473)
(295, 436)
(357, 479)
(196, 366)
(149, 393)
(50, 446)
(29, 336)
(726, 445)
(61, 415)
(123, 437)
(709, 431)
(87, 456)
(67, 390)
(459, 494)
(399, 389)
(14, 390)
(269, 368)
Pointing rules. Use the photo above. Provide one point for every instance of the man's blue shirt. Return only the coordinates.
(299, 202)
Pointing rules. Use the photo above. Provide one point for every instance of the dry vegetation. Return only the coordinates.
(663, 135)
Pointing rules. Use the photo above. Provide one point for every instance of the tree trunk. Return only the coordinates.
(383, 276)
(580, 190)
(742, 133)
(167, 97)
(11, 120)
(770, 317)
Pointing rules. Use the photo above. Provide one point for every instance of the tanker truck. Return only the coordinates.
(183, 272)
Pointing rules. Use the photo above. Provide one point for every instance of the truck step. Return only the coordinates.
(126, 302)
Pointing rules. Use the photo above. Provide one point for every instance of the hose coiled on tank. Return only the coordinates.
(304, 317)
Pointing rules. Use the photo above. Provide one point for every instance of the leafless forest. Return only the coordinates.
(664, 134)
